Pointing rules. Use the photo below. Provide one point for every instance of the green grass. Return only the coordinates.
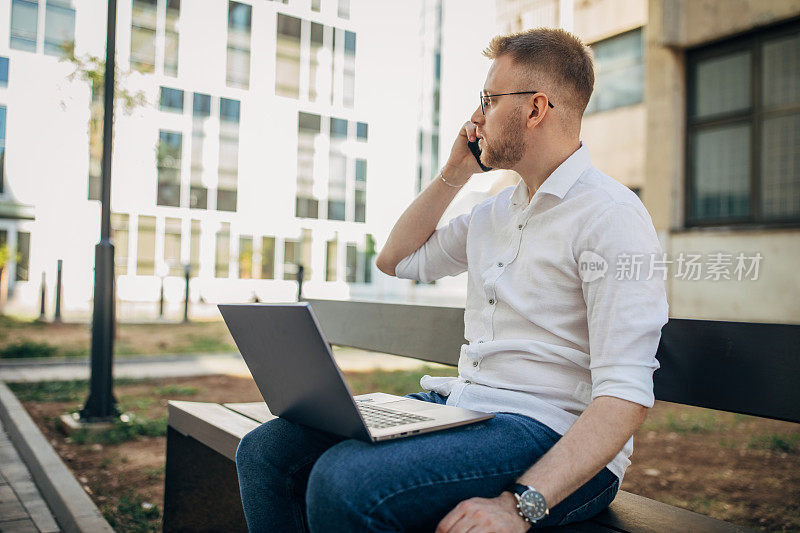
(204, 344)
(126, 430)
(699, 422)
(176, 390)
(132, 513)
(775, 442)
(398, 382)
(28, 349)
(56, 391)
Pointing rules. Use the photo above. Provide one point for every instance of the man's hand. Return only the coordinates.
(484, 515)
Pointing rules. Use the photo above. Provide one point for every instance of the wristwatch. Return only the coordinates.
(531, 505)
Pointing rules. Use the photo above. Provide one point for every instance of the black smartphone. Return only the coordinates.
(476, 151)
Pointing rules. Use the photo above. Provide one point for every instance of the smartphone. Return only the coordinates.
(476, 151)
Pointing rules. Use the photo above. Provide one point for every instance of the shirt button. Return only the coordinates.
(474, 363)
(480, 342)
(500, 264)
(519, 227)
(491, 302)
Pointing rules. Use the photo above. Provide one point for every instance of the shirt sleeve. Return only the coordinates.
(627, 305)
(443, 254)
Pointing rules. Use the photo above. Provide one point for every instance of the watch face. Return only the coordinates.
(532, 505)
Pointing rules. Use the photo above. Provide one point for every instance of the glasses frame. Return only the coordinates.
(482, 96)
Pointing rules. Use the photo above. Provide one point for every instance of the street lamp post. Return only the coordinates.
(101, 404)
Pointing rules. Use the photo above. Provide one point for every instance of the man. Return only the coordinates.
(561, 337)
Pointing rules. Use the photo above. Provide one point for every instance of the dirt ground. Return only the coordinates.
(732, 467)
(74, 339)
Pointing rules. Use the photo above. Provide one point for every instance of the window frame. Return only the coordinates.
(752, 116)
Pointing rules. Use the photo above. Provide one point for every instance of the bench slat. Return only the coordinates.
(420, 331)
(258, 411)
(210, 423)
(637, 514)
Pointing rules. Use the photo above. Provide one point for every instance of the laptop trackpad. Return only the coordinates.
(409, 405)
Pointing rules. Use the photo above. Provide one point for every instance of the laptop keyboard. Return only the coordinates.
(378, 418)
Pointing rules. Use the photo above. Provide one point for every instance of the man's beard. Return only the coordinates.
(508, 148)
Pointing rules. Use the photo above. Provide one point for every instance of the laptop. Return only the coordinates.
(296, 373)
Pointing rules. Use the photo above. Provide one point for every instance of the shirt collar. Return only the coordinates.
(560, 181)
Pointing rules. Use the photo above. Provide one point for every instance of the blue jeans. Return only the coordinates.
(294, 478)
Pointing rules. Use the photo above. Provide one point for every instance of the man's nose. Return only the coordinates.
(477, 117)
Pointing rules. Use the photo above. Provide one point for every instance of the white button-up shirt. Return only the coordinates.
(544, 336)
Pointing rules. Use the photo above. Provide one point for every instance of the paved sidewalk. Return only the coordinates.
(183, 366)
(22, 508)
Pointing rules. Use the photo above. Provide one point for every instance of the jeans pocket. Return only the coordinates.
(593, 506)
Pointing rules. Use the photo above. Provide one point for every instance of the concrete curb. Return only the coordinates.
(73, 509)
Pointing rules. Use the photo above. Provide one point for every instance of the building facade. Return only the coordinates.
(697, 109)
(242, 149)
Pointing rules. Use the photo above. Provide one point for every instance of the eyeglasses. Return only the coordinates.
(486, 99)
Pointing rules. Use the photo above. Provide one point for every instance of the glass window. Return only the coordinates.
(362, 131)
(268, 258)
(344, 9)
(119, 235)
(287, 57)
(619, 72)
(349, 43)
(171, 38)
(198, 192)
(245, 257)
(360, 191)
(169, 168)
(722, 84)
(337, 189)
(361, 170)
(238, 59)
(330, 260)
(722, 157)
(308, 128)
(172, 246)
(351, 265)
(194, 249)
(316, 5)
(290, 258)
(338, 128)
(146, 246)
(229, 110)
(316, 57)
(171, 100)
(59, 27)
(744, 129)
(24, 22)
(23, 256)
(4, 71)
(201, 105)
(143, 35)
(223, 252)
(2, 146)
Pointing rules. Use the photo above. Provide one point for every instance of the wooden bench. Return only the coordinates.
(730, 366)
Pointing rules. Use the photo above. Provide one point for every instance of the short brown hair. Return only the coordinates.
(554, 52)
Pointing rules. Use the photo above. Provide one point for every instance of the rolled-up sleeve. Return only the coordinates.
(443, 254)
(627, 305)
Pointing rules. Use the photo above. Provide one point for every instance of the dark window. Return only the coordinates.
(23, 256)
(229, 110)
(238, 51)
(169, 168)
(171, 99)
(4, 71)
(316, 33)
(338, 128)
(288, 26)
(620, 72)
(743, 130)
(350, 43)
(2, 146)
(239, 16)
(308, 122)
(362, 131)
(201, 105)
